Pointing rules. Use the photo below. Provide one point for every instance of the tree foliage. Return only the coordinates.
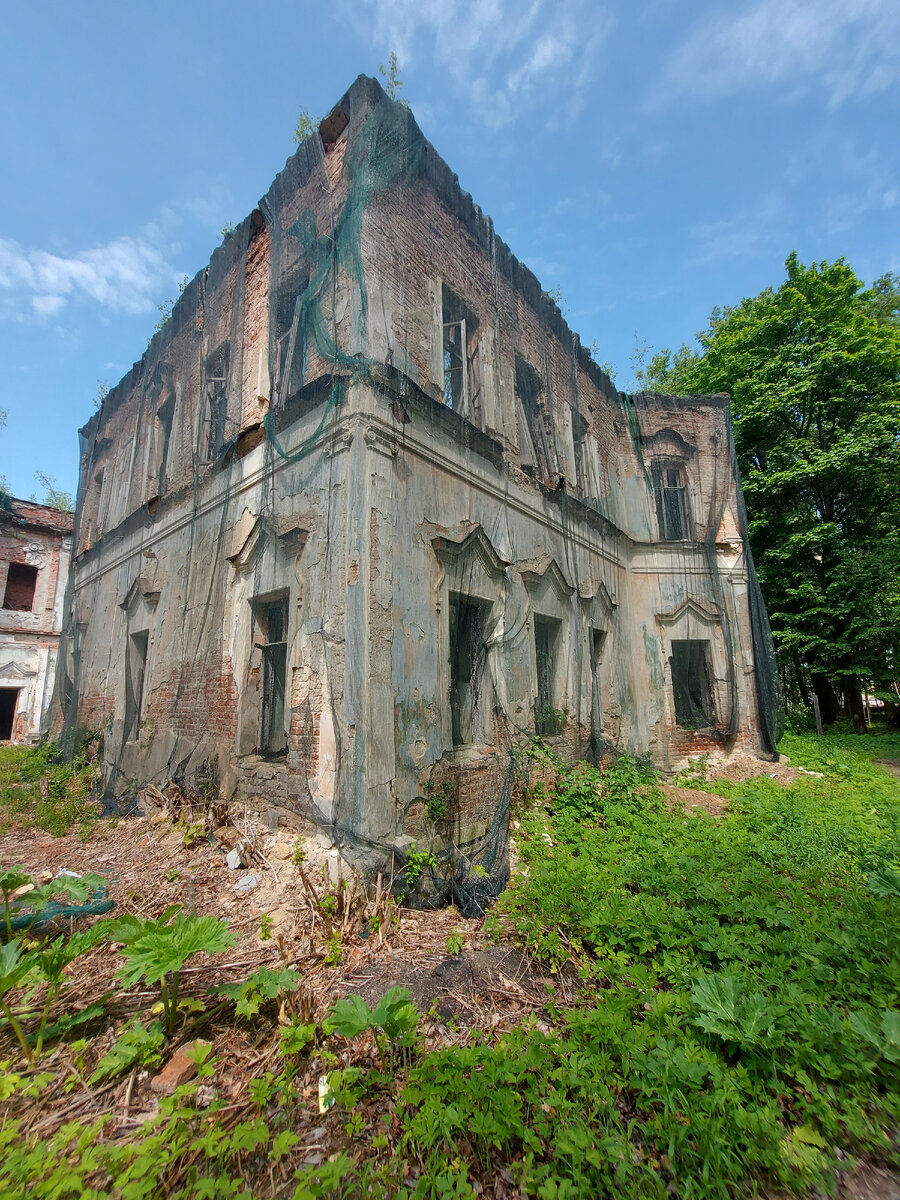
(54, 496)
(306, 127)
(813, 369)
(393, 84)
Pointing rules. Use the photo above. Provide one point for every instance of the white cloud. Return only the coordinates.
(850, 180)
(747, 233)
(846, 47)
(122, 276)
(500, 54)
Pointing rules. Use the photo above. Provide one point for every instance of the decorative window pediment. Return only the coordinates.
(141, 591)
(597, 601)
(668, 443)
(14, 670)
(691, 608)
(250, 539)
(472, 564)
(548, 576)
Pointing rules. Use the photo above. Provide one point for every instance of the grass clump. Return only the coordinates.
(747, 1017)
(40, 787)
(738, 1029)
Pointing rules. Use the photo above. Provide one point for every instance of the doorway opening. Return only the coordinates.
(9, 698)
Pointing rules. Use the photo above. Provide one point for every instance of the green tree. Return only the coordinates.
(306, 127)
(393, 84)
(53, 496)
(813, 369)
(668, 372)
(882, 301)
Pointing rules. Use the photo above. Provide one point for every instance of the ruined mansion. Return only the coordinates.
(366, 517)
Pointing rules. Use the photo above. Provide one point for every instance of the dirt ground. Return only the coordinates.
(488, 986)
(739, 769)
(149, 867)
(693, 800)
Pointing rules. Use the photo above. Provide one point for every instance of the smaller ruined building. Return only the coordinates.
(35, 548)
(366, 517)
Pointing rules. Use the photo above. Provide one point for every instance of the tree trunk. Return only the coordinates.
(853, 702)
(828, 701)
(801, 680)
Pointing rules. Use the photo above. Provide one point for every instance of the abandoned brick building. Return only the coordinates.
(35, 547)
(366, 516)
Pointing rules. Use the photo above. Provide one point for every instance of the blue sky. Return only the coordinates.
(652, 159)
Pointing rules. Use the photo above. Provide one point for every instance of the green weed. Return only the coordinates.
(156, 950)
(41, 787)
(393, 1023)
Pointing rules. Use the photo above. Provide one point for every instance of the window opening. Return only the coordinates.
(579, 433)
(20, 584)
(135, 670)
(95, 522)
(161, 436)
(692, 684)
(468, 619)
(671, 503)
(272, 621)
(548, 720)
(454, 365)
(462, 358)
(9, 698)
(598, 640)
(216, 399)
(528, 391)
(290, 333)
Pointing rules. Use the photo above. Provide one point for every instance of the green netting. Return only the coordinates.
(350, 550)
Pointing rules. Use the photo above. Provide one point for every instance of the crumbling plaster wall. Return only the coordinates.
(427, 494)
(39, 537)
(366, 502)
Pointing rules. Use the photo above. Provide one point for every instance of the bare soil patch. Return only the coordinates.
(693, 800)
(485, 989)
(739, 769)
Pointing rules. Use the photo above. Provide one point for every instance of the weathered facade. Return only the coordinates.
(366, 515)
(35, 548)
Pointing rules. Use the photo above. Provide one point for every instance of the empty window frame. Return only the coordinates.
(271, 622)
(692, 684)
(598, 643)
(534, 443)
(162, 432)
(94, 515)
(216, 399)
(20, 584)
(548, 720)
(671, 503)
(135, 672)
(579, 434)
(290, 332)
(468, 624)
(461, 357)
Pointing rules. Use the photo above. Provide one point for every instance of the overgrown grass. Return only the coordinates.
(40, 789)
(739, 1029)
(746, 1021)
